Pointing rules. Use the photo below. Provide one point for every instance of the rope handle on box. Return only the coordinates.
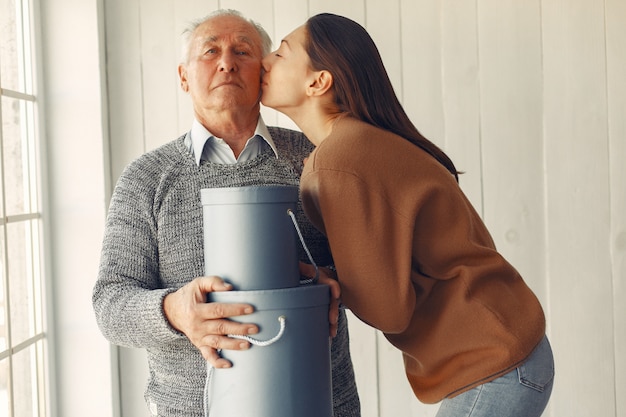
(306, 249)
(262, 343)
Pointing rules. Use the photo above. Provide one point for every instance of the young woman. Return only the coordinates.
(413, 257)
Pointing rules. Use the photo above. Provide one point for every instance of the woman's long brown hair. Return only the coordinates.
(360, 82)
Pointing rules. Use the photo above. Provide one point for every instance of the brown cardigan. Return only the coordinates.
(415, 261)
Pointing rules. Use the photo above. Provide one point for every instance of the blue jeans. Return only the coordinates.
(523, 392)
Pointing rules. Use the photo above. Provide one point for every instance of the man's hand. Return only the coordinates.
(206, 324)
(326, 277)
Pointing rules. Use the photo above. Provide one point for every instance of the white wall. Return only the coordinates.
(75, 128)
(527, 97)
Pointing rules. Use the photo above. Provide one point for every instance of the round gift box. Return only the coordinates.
(249, 237)
(289, 377)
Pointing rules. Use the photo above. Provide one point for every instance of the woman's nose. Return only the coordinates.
(265, 62)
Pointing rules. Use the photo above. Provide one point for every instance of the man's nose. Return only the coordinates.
(227, 63)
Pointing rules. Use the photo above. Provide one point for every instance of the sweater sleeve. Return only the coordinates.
(370, 243)
(127, 296)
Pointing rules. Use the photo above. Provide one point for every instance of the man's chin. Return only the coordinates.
(232, 101)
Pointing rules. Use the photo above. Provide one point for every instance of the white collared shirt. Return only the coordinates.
(218, 151)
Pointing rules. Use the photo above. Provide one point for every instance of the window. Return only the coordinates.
(22, 312)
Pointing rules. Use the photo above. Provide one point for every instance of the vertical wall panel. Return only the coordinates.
(364, 351)
(421, 66)
(133, 371)
(577, 179)
(616, 88)
(288, 15)
(71, 102)
(262, 11)
(382, 21)
(159, 45)
(509, 50)
(396, 396)
(123, 46)
(460, 94)
(354, 9)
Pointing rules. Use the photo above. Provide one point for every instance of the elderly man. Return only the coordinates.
(150, 290)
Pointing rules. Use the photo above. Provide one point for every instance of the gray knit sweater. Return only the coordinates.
(153, 245)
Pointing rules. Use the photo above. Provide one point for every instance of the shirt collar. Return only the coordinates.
(199, 135)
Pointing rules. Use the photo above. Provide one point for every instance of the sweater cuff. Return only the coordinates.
(156, 320)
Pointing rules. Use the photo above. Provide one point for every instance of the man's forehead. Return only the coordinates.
(228, 37)
(228, 27)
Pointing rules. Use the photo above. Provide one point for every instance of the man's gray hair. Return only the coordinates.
(266, 41)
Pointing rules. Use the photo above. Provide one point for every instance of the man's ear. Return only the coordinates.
(321, 83)
(182, 76)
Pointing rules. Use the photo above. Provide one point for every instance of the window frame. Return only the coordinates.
(36, 344)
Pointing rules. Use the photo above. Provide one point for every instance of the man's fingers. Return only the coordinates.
(222, 310)
(223, 327)
(211, 356)
(217, 342)
(213, 283)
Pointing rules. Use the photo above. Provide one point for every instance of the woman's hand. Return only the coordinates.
(329, 278)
